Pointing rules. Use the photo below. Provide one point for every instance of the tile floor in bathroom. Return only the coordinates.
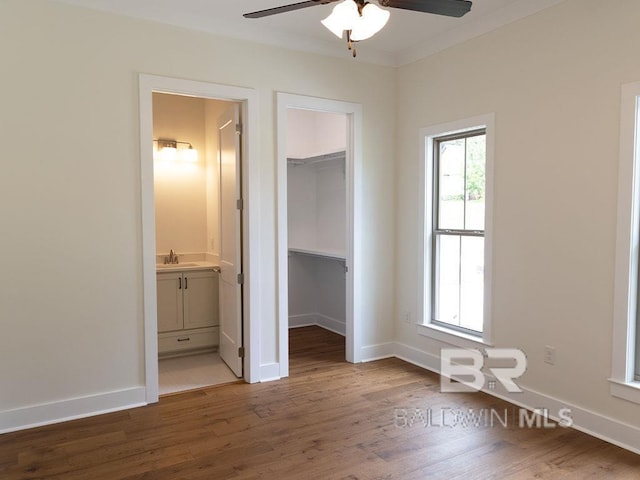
(193, 371)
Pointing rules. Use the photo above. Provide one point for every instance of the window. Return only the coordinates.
(456, 181)
(459, 163)
(625, 375)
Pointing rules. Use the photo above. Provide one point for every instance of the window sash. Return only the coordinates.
(436, 283)
(436, 177)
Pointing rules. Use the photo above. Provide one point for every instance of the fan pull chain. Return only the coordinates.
(350, 44)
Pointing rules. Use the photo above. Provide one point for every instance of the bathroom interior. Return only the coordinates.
(187, 219)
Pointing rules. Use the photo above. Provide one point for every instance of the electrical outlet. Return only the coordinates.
(406, 317)
(550, 354)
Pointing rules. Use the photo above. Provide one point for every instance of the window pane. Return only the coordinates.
(451, 176)
(471, 282)
(447, 286)
(459, 278)
(475, 182)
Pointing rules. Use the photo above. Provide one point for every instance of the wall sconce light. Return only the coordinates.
(168, 151)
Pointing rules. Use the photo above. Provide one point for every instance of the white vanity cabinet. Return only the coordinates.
(187, 310)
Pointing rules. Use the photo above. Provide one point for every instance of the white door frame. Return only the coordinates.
(248, 98)
(354, 221)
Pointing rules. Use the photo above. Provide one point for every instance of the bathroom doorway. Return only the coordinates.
(196, 225)
(196, 184)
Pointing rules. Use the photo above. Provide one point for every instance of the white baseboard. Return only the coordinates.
(370, 353)
(331, 324)
(309, 319)
(71, 409)
(592, 423)
(417, 357)
(269, 372)
(302, 320)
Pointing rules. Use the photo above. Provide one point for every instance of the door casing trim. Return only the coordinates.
(354, 221)
(248, 99)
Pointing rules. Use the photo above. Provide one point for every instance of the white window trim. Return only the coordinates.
(622, 381)
(427, 136)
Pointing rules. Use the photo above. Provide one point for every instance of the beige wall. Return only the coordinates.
(71, 289)
(312, 133)
(553, 81)
(180, 188)
(186, 194)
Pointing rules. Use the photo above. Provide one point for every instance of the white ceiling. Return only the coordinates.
(407, 37)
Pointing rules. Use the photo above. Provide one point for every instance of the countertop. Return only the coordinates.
(186, 266)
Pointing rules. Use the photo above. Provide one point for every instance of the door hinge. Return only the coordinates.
(241, 278)
(241, 352)
(239, 128)
(240, 204)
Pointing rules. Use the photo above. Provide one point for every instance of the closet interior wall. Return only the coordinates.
(316, 201)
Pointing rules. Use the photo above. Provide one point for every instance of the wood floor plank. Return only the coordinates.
(328, 420)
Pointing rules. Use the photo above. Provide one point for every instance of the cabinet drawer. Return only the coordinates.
(187, 340)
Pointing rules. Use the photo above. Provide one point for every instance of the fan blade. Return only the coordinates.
(450, 8)
(286, 8)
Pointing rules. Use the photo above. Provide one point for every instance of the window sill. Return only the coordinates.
(452, 337)
(629, 391)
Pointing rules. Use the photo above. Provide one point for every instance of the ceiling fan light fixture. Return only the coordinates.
(344, 16)
(371, 21)
(362, 20)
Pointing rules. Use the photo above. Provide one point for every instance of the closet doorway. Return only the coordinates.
(318, 161)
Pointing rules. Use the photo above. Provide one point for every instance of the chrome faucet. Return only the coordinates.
(171, 258)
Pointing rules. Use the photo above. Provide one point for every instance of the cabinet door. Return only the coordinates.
(169, 301)
(200, 294)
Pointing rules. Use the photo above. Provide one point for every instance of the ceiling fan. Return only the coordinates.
(361, 19)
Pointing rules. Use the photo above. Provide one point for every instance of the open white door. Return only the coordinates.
(230, 239)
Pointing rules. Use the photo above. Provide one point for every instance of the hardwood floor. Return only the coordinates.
(328, 420)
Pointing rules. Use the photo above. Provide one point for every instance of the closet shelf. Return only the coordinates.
(339, 155)
(334, 255)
